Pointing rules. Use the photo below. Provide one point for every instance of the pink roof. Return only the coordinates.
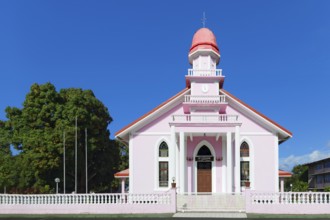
(122, 174)
(204, 39)
(282, 173)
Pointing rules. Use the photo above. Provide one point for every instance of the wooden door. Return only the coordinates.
(204, 177)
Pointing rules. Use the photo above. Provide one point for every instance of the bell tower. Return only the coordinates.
(204, 78)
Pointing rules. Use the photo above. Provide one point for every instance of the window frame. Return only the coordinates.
(162, 159)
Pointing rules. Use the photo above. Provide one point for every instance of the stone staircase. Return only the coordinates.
(211, 206)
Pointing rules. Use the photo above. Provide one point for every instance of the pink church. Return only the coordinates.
(203, 139)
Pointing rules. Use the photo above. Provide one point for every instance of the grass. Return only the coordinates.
(84, 216)
(290, 216)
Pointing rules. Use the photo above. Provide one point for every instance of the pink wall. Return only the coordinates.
(145, 150)
(213, 88)
(264, 163)
(247, 124)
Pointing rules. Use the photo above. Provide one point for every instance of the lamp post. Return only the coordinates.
(57, 180)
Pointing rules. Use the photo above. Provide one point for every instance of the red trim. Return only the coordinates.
(123, 173)
(255, 111)
(203, 44)
(282, 173)
(150, 112)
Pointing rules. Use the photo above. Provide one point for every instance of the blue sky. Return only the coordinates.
(133, 55)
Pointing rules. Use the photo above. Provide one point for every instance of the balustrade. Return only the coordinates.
(209, 72)
(205, 99)
(290, 198)
(221, 118)
(115, 198)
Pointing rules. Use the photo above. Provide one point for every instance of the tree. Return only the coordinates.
(299, 179)
(37, 131)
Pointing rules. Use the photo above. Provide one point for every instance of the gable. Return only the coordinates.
(252, 118)
(256, 116)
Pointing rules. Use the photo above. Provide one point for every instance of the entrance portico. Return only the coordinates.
(221, 164)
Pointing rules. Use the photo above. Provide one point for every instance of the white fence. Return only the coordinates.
(288, 202)
(169, 202)
(88, 203)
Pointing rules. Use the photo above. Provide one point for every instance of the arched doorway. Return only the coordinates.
(204, 160)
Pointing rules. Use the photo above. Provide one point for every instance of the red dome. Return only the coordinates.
(204, 39)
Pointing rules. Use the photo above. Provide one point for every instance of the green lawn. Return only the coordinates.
(86, 216)
(322, 216)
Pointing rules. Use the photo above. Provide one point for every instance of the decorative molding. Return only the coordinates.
(256, 133)
(152, 133)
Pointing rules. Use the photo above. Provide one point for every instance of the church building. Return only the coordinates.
(203, 139)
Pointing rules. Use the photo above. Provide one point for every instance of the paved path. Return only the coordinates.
(210, 215)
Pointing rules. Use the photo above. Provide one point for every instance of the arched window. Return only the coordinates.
(163, 150)
(245, 164)
(163, 164)
(245, 151)
(204, 151)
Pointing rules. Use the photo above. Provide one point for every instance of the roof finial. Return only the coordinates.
(204, 19)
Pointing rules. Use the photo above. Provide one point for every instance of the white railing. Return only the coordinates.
(60, 199)
(221, 118)
(209, 72)
(216, 99)
(290, 198)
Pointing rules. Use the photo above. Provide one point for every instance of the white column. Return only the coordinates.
(172, 154)
(183, 166)
(229, 164)
(237, 161)
(276, 163)
(224, 165)
(177, 171)
(122, 185)
(282, 184)
(130, 163)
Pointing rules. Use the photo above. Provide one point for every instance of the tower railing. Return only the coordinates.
(198, 99)
(208, 72)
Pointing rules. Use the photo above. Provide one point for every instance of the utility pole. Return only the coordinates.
(76, 157)
(86, 160)
(64, 162)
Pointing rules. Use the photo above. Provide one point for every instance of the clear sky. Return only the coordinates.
(133, 55)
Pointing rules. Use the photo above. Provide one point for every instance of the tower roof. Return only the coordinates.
(204, 39)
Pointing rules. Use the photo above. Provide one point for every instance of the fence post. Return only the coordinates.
(173, 199)
(247, 200)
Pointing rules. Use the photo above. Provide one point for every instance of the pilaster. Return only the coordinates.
(183, 165)
(237, 160)
(172, 154)
(229, 164)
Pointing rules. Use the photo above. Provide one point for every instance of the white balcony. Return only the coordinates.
(209, 72)
(219, 118)
(215, 99)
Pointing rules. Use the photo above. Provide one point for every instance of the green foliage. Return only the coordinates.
(299, 179)
(37, 132)
(327, 189)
